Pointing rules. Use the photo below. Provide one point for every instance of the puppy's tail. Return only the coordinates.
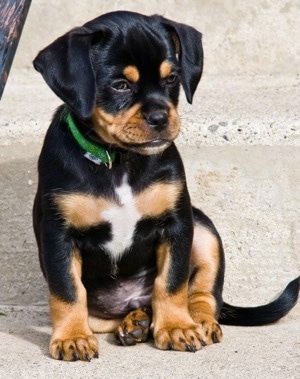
(264, 314)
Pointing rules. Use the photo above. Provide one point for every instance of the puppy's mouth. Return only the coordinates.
(154, 146)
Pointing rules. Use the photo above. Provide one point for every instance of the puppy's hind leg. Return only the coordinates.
(206, 278)
(135, 327)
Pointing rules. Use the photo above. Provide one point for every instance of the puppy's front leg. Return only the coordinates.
(72, 338)
(173, 327)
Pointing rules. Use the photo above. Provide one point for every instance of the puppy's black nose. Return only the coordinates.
(158, 120)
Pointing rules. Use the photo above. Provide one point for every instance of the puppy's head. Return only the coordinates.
(123, 71)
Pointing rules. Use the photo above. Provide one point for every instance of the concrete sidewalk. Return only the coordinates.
(267, 352)
(240, 143)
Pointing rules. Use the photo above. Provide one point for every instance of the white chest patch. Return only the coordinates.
(123, 218)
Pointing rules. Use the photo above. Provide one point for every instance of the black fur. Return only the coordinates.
(264, 314)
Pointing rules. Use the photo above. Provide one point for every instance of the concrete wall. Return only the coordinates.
(240, 37)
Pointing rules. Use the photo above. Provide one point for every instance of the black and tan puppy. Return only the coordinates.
(120, 245)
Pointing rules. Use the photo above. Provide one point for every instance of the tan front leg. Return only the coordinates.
(72, 338)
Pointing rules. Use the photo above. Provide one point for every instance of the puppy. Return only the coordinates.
(120, 245)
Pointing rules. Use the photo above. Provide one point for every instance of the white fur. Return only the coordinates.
(123, 218)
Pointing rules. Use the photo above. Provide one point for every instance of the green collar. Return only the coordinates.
(93, 152)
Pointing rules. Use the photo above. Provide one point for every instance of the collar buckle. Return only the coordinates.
(110, 162)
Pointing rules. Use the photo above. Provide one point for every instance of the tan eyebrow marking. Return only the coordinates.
(165, 69)
(131, 73)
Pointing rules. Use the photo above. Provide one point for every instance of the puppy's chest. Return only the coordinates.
(122, 215)
(121, 212)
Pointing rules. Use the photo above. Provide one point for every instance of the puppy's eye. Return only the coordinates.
(121, 86)
(171, 79)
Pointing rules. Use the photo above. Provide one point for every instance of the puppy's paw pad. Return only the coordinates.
(134, 328)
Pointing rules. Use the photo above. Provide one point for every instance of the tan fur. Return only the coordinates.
(71, 332)
(202, 303)
(158, 198)
(81, 210)
(131, 73)
(130, 127)
(205, 255)
(165, 304)
(165, 69)
(173, 326)
(100, 325)
(136, 321)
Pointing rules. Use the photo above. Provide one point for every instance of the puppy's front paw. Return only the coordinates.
(134, 328)
(73, 348)
(179, 337)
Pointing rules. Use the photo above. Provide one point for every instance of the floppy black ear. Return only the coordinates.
(67, 69)
(188, 43)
